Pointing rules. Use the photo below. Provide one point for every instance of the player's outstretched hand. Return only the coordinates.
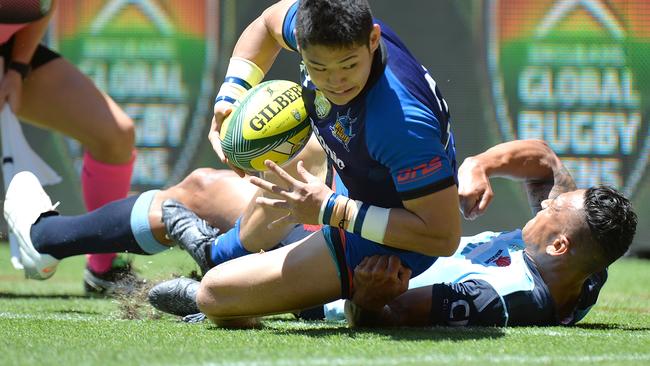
(378, 280)
(221, 111)
(301, 198)
(474, 189)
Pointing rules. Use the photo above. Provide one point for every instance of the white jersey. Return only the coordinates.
(489, 280)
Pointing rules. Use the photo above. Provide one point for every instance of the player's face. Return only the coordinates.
(559, 216)
(341, 73)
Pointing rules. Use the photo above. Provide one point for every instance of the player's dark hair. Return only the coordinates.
(333, 23)
(611, 221)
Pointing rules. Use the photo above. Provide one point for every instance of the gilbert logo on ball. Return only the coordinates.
(269, 123)
(575, 73)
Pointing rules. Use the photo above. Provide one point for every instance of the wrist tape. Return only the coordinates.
(241, 76)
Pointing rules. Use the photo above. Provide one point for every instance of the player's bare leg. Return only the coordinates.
(217, 196)
(200, 240)
(58, 96)
(294, 277)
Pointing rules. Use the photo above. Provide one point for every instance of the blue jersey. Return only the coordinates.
(392, 142)
(491, 281)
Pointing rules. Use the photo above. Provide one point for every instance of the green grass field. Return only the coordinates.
(52, 323)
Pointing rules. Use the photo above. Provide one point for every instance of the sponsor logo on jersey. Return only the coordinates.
(419, 171)
(574, 73)
(342, 129)
(330, 153)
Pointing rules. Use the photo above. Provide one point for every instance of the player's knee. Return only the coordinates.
(214, 297)
(203, 178)
(114, 143)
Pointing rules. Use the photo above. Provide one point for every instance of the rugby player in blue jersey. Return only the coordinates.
(548, 273)
(385, 128)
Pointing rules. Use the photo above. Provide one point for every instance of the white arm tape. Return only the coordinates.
(246, 70)
(242, 75)
(375, 223)
(371, 223)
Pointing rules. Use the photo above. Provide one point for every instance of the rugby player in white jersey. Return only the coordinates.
(548, 273)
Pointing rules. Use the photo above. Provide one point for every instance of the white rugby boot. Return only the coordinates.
(25, 201)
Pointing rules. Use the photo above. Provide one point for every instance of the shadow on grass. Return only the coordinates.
(6, 295)
(405, 334)
(325, 329)
(610, 326)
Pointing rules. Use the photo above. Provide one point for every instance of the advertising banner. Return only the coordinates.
(576, 73)
(157, 60)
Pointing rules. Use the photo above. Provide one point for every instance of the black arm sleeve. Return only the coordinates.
(470, 303)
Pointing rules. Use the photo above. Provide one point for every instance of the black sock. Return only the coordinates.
(105, 230)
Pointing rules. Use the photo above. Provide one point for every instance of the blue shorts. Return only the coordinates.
(349, 249)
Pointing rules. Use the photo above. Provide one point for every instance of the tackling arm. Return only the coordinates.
(530, 161)
(380, 299)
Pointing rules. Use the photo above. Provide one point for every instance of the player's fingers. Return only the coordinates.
(404, 276)
(464, 202)
(241, 173)
(369, 263)
(364, 261)
(394, 265)
(381, 265)
(485, 200)
(282, 173)
(275, 203)
(304, 173)
(404, 272)
(268, 186)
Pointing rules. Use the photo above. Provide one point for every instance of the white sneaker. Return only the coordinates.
(24, 203)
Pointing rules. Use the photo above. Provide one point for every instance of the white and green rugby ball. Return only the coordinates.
(269, 123)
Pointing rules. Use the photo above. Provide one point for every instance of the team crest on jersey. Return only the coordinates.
(342, 129)
(322, 105)
(574, 74)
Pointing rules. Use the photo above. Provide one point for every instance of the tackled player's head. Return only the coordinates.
(337, 40)
(611, 222)
(590, 228)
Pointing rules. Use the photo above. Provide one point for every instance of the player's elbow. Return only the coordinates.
(442, 244)
(442, 241)
(449, 245)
